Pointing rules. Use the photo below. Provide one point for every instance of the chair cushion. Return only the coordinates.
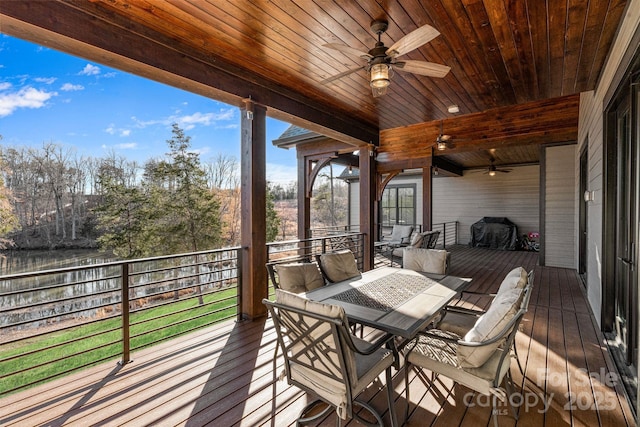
(426, 260)
(416, 240)
(296, 301)
(503, 308)
(338, 266)
(401, 234)
(299, 277)
(516, 278)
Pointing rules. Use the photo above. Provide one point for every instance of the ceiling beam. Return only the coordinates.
(550, 121)
(79, 29)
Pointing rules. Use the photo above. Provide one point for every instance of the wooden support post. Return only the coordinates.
(367, 198)
(427, 197)
(254, 201)
(304, 198)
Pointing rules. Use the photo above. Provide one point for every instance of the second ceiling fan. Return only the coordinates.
(381, 60)
(493, 169)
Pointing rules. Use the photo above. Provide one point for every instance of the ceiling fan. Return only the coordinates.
(381, 60)
(493, 169)
(443, 140)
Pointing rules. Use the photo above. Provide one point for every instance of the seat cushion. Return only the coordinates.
(425, 260)
(299, 277)
(338, 266)
(441, 358)
(503, 308)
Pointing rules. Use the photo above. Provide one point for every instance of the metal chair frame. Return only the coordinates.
(293, 327)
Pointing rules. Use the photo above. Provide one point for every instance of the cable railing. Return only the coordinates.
(448, 233)
(333, 230)
(56, 322)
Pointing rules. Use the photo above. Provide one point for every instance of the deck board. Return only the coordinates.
(223, 375)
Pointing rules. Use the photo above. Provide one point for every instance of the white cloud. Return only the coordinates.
(5, 85)
(143, 124)
(26, 97)
(205, 119)
(90, 70)
(123, 146)
(67, 87)
(46, 80)
(281, 174)
(112, 130)
(200, 151)
(126, 146)
(190, 121)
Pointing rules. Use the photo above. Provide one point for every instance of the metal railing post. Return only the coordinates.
(455, 224)
(126, 344)
(239, 284)
(444, 236)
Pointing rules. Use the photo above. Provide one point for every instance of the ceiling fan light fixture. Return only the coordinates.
(379, 79)
(492, 170)
(441, 145)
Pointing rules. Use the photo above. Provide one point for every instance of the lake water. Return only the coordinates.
(15, 262)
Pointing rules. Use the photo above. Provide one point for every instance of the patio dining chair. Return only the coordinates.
(400, 235)
(324, 359)
(479, 360)
(459, 319)
(429, 239)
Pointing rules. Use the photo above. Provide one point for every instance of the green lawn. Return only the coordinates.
(55, 354)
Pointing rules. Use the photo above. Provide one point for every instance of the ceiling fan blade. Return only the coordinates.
(423, 68)
(348, 50)
(341, 75)
(414, 39)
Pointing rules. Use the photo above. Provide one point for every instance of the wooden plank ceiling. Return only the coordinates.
(501, 52)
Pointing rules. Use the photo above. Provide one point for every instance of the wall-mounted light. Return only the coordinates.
(379, 79)
(589, 196)
(350, 170)
(435, 170)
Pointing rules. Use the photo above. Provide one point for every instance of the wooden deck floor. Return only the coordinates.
(223, 376)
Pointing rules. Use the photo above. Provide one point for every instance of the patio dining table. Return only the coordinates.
(395, 300)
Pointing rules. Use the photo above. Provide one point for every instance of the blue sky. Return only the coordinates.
(49, 96)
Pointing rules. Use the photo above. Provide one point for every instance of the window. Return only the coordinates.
(398, 205)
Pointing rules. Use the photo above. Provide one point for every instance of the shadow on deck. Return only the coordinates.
(223, 375)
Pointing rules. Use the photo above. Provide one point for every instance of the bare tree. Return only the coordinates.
(76, 181)
(223, 178)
